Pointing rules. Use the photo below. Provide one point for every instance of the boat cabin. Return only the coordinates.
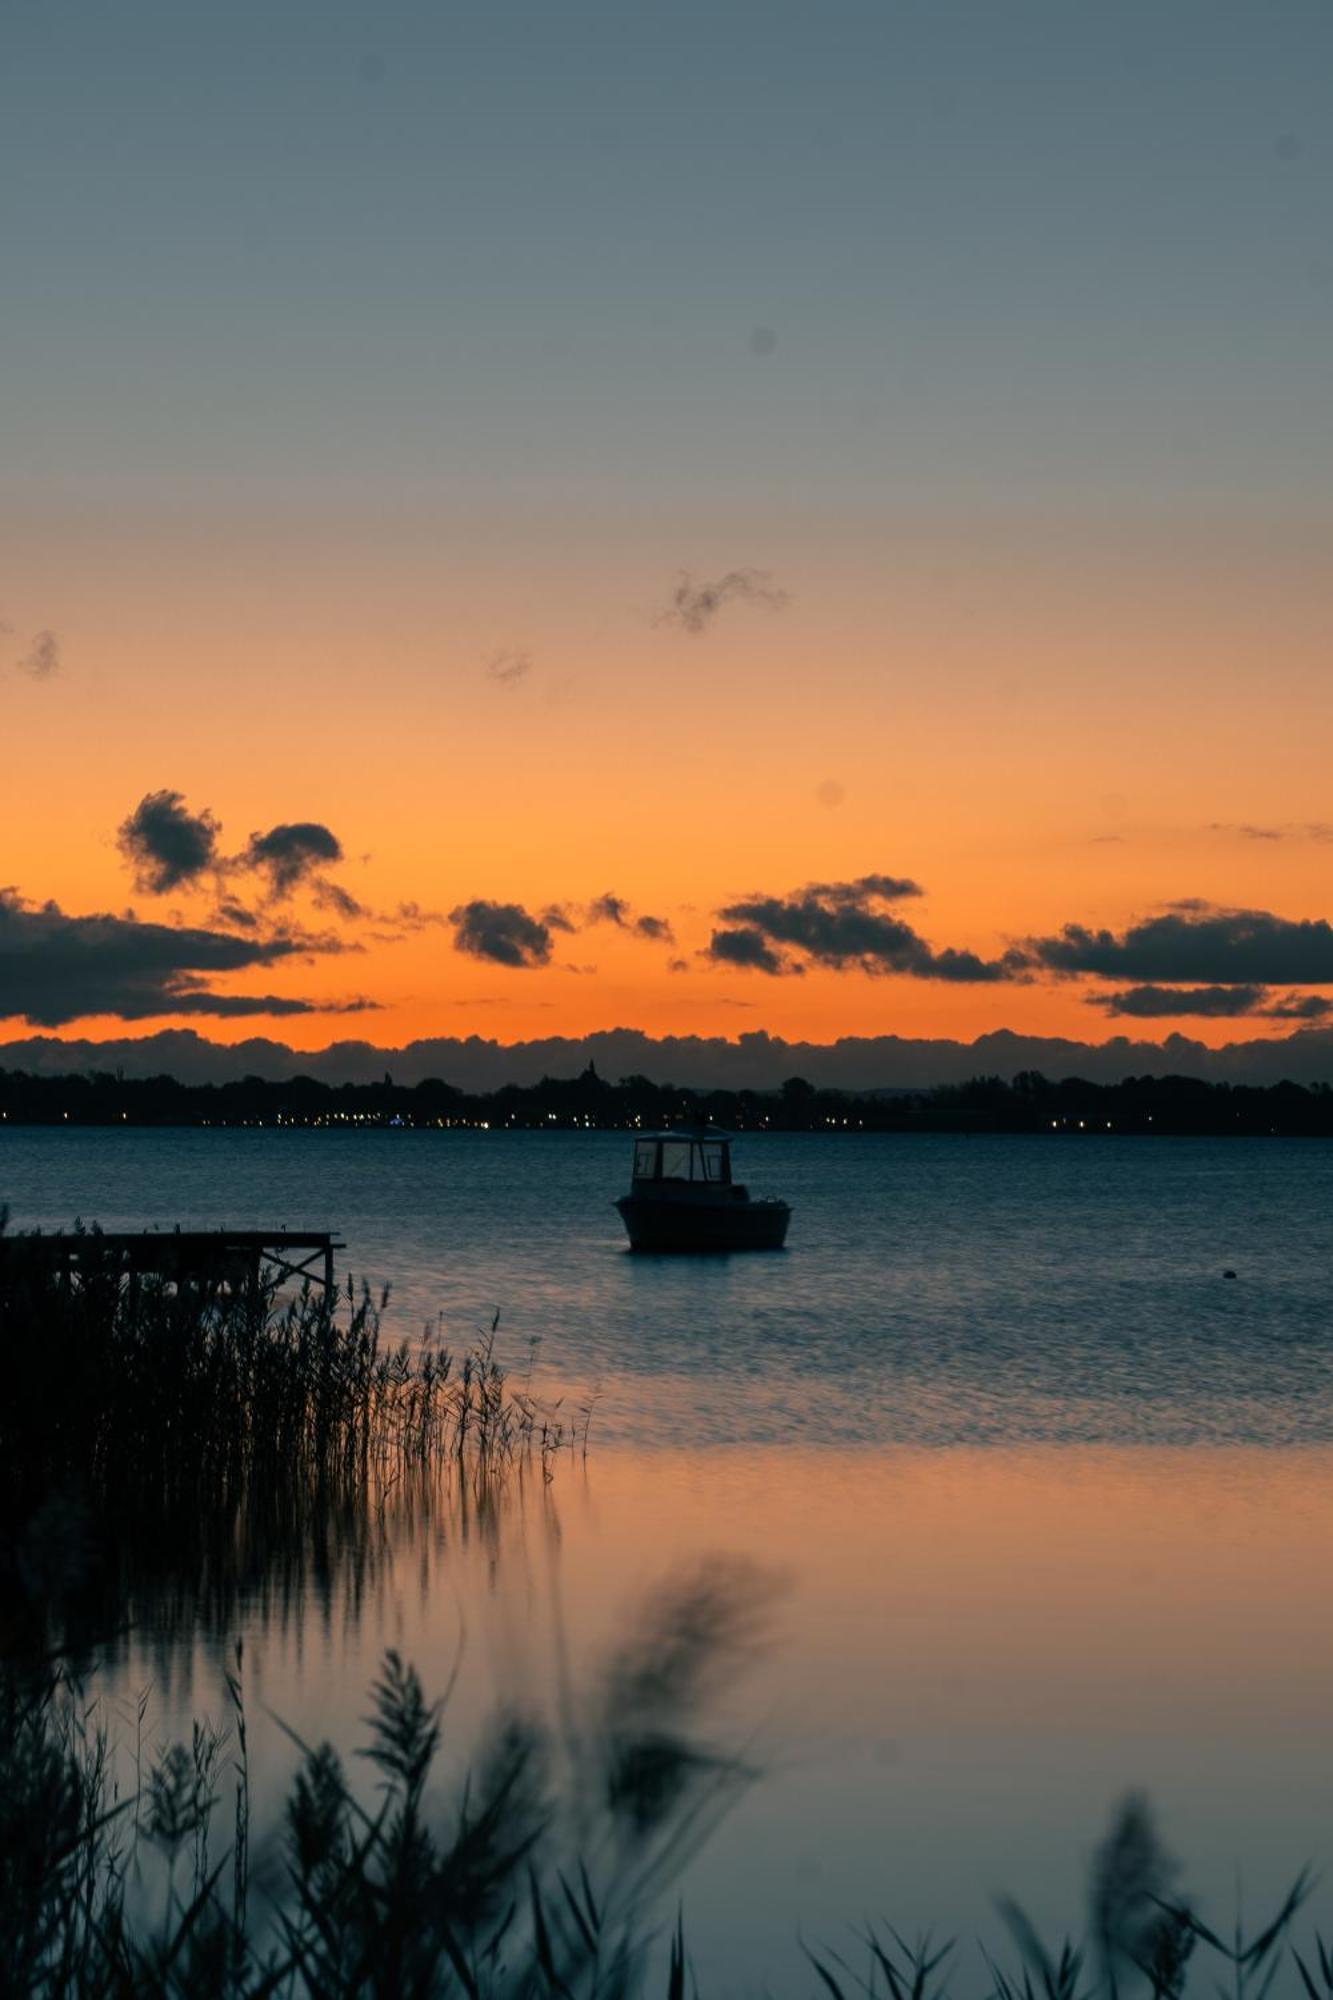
(701, 1158)
(682, 1196)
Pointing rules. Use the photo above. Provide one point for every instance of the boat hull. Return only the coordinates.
(666, 1225)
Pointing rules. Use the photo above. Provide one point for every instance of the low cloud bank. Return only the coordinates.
(756, 1061)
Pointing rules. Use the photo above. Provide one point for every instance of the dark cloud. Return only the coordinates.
(332, 896)
(166, 844)
(884, 888)
(749, 948)
(502, 932)
(56, 968)
(170, 847)
(42, 658)
(609, 909)
(694, 606)
(750, 1060)
(508, 669)
(557, 918)
(1299, 1007)
(291, 854)
(612, 909)
(844, 925)
(1151, 1003)
(1195, 942)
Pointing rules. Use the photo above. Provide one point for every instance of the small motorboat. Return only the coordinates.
(682, 1197)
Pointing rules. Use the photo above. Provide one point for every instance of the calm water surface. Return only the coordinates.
(1051, 1501)
(935, 1290)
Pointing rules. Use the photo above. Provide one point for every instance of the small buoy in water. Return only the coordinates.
(1228, 1274)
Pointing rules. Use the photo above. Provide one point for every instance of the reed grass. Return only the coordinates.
(154, 1435)
(517, 1885)
(115, 1383)
(543, 1875)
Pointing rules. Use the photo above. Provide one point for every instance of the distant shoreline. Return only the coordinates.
(1149, 1107)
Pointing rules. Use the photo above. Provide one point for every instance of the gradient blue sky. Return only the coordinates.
(346, 347)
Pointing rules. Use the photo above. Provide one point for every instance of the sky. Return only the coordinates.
(523, 520)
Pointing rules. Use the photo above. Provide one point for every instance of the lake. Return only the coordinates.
(1045, 1499)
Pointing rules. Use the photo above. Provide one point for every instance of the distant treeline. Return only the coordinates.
(1030, 1103)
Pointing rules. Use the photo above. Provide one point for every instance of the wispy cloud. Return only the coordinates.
(609, 908)
(508, 668)
(1309, 829)
(42, 658)
(693, 607)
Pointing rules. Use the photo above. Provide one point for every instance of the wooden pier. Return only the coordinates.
(233, 1257)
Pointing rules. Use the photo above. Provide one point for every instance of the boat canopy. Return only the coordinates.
(692, 1153)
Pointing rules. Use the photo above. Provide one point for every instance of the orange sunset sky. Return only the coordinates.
(555, 469)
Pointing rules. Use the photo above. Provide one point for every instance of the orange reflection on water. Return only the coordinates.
(975, 1655)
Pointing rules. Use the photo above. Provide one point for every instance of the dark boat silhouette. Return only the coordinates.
(682, 1197)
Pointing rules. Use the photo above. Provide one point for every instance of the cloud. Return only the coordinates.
(1310, 829)
(291, 853)
(1147, 1003)
(1195, 942)
(413, 917)
(505, 933)
(844, 925)
(887, 888)
(169, 847)
(56, 968)
(748, 947)
(609, 909)
(612, 909)
(42, 658)
(1299, 1007)
(694, 606)
(557, 918)
(508, 668)
(750, 1060)
(166, 844)
(332, 896)
(1150, 1003)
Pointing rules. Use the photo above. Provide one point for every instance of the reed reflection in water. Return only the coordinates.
(975, 1655)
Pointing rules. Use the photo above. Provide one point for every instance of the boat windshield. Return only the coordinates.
(681, 1160)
